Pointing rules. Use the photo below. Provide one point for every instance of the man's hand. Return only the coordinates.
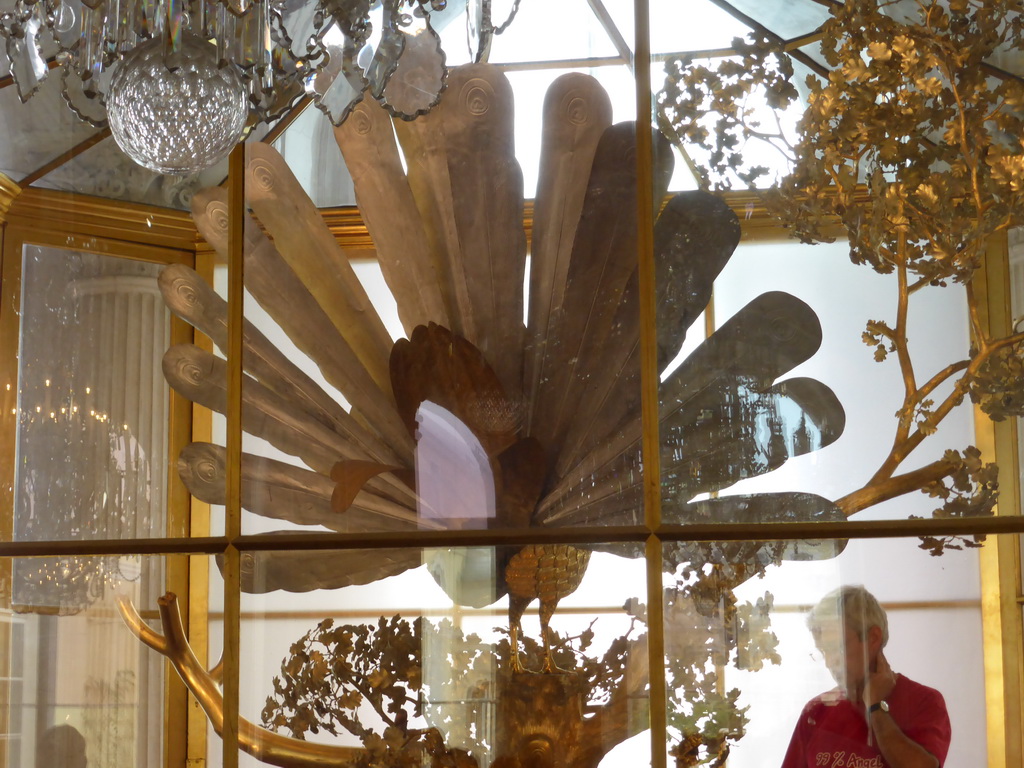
(898, 750)
(879, 682)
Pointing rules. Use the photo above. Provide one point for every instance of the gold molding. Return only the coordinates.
(347, 225)
(9, 190)
(349, 229)
(65, 212)
(46, 210)
(999, 559)
(10, 284)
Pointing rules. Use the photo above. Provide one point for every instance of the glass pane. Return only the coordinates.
(105, 171)
(198, 372)
(1015, 243)
(783, 409)
(417, 652)
(743, 663)
(568, 30)
(92, 408)
(686, 110)
(357, 417)
(814, 53)
(36, 132)
(76, 685)
(530, 88)
(851, 382)
(695, 26)
(312, 154)
(789, 20)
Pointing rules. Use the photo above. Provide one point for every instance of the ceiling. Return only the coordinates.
(43, 144)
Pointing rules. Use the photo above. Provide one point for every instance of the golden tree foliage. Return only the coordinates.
(911, 141)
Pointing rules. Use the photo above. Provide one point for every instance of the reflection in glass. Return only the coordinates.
(80, 687)
(397, 665)
(543, 421)
(873, 712)
(390, 55)
(453, 476)
(1015, 246)
(37, 132)
(309, 148)
(743, 662)
(800, 17)
(531, 408)
(873, 52)
(105, 171)
(92, 418)
(568, 30)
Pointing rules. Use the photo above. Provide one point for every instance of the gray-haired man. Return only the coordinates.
(874, 718)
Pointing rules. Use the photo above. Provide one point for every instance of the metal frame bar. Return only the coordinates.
(199, 567)
(608, 24)
(649, 384)
(65, 157)
(10, 298)
(570, 610)
(1000, 564)
(800, 56)
(703, 532)
(233, 508)
(287, 119)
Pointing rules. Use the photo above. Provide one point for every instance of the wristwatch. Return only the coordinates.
(882, 705)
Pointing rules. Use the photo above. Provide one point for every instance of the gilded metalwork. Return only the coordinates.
(43, 213)
(946, 134)
(347, 227)
(262, 744)
(1000, 559)
(9, 190)
(547, 574)
(230, 665)
(650, 360)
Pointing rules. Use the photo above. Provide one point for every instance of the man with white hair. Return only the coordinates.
(874, 718)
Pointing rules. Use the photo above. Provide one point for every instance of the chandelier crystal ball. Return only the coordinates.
(176, 113)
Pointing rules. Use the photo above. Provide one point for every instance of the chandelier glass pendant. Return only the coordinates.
(171, 76)
(154, 109)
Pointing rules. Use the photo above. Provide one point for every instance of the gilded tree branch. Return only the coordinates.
(876, 492)
(264, 745)
(910, 399)
(929, 386)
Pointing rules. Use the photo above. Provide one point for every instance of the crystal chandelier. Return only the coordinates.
(172, 75)
(67, 585)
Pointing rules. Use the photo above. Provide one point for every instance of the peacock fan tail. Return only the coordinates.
(542, 417)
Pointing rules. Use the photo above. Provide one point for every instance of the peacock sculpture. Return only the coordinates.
(477, 419)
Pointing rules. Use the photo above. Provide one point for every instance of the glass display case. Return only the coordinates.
(518, 390)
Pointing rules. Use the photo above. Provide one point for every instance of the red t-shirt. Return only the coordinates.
(833, 733)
